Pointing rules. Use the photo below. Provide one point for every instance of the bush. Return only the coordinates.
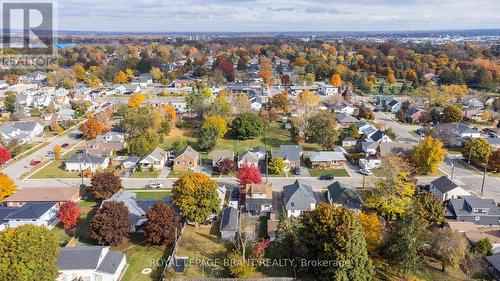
(483, 247)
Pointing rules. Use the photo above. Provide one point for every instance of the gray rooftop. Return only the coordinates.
(79, 257)
(444, 184)
(289, 152)
(229, 219)
(31, 210)
(298, 196)
(345, 196)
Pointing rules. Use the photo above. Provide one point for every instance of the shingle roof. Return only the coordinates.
(84, 158)
(444, 184)
(79, 257)
(494, 261)
(190, 153)
(342, 194)
(298, 196)
(111, 262)
(40, 194)
(346, 118)
(218, 155)
(31, 210)
(289, 152)
(6, 211)
(229, 219)
(323, 156)
(395, 149)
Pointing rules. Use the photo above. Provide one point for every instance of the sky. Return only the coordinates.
(276, 15)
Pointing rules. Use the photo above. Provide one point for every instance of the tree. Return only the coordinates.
(79, 72)
(335, 80)
(156, 73)
(241, 103)
(428, 155)
(373, 230)
(407, 242)
(196, 197)
(57, 151)
(239, 267)
(494, 162)
(479, 150)
(483, 247)
(10, 101)
(219, 123)
(308, 100)
(365, 113)
(142, 144)
(391, 79)
(280, 102)
(94, 82)
(136, 99)
(69, 214)
(247, 174)
(322, 130)
(171, 113)
(92, 128)
(227, 166)
(121, 78)
(7, 186)
(429, 208)
(451, 114)
(247, 125)
(178, 146)
(111, 224)
(207, 137)
(393, 189)
(162, 224)
(28, 252)
(104, 185)
(4, 155)
(335, 234)
(277, 166)
(449, 247)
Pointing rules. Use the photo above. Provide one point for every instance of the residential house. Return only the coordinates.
(42, 194)
(377, 136)
(327, 160)
(370, 162)
(327, 90)
(219, 155)
(393, 106)
(445, 189)
(494, 142)
(344, 108)
(229, 223)
(130, 162)
(104, 149)
(187, 160)
(155, 159)
(65, 114)
(137, 208)
(461, 130)
(144, 80)
(252, 157)
(470, 102)
(291, 154)
(370, 148)
(78, 162)
(298, 198)
(345, 120)
(399, 149)
(39, 214)
(259, 198)
(494, 268)
(90, 263)
(349, 142)
(474, 209)
(341, 195)
(22, 131)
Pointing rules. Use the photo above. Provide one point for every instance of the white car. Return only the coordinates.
(365, 172)
(154, 185)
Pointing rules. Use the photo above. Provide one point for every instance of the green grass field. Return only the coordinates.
(145, 174)
(335, 172)
(152, 194)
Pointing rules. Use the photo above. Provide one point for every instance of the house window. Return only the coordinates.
(292, 204)
(178, 162)
(190, 163)
(477, 218)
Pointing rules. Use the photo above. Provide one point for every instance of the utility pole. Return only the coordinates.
(81, 171)
(470, 152)
(452, 167)
(484, 176)
(364, 181)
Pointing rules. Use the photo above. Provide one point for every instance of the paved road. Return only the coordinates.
(401, 130)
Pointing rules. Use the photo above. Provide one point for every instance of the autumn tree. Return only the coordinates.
(219, 123)
(111, 224)
(308, 100)
(335, 80)
(79, 72)
(104, 185)
(227, 166)
(156, 73)
(393, 189)
(69, 214)
(365, 113)
(247, 174)
(321, 129)
(4, 155)
(334, 233)
(494, 162)
(93, 81)
(171, 113)
(391, 79)
(241, 103)
(195, 195)
(479, 150)
(57, 151)
(7, 186)
(136, 99)
(280, 102)
(121, 78)
(373, 230)
(451, 114)
(429, 208)
(449, 247)
(28, 252)
(428, 155)
(162, 224)
(277, 166)
(92, 128)
(247, 125)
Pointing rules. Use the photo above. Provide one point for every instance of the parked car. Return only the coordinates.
(64, 145)
(35, 162)
(365, 172)
(79, 136)
(327, 177)
(49, 154)
(154, 185)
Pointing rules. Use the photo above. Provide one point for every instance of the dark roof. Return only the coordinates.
(289, 152)
(392, 103)
(111, 262)
(412, 111)
(444, 184)
(346, 118)
(79, 257)
(254, 204)
(31, 210)
(463, 205)
(341, 194)
(377, 136)
(229, 219)
(298, 196)
(5, 211)
(494, 261)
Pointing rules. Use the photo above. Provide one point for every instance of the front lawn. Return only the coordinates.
(86, 213)
(55, 170)
(334, 172)
(173, 174)
(145, 174)
(152, 194)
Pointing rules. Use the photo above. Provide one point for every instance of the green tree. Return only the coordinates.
(428, 155)
(196, 197)
(407, 242)
(483, 247)
(247, 125)
(479, 150)
(449, 247)
(10, 101)
(28, 252)
(207, 137)
(335, 234)
(277, 166)
(429, 208)
(451, 114)
(365, 113)
(142, 144)
(322, 130)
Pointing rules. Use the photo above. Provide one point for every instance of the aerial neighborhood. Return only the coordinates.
(181, 150)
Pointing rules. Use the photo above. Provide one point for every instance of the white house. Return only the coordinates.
(394, 106)
(328, 90)
(91, 263)
(85, 161)
(22, 131)
(298, 198)
(446, 189)
(35, 213)
(155, 159)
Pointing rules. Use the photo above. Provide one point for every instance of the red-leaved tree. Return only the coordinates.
(248, 173)
(69, 213)
(259, 248)
(4, 155)
(227, 166)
